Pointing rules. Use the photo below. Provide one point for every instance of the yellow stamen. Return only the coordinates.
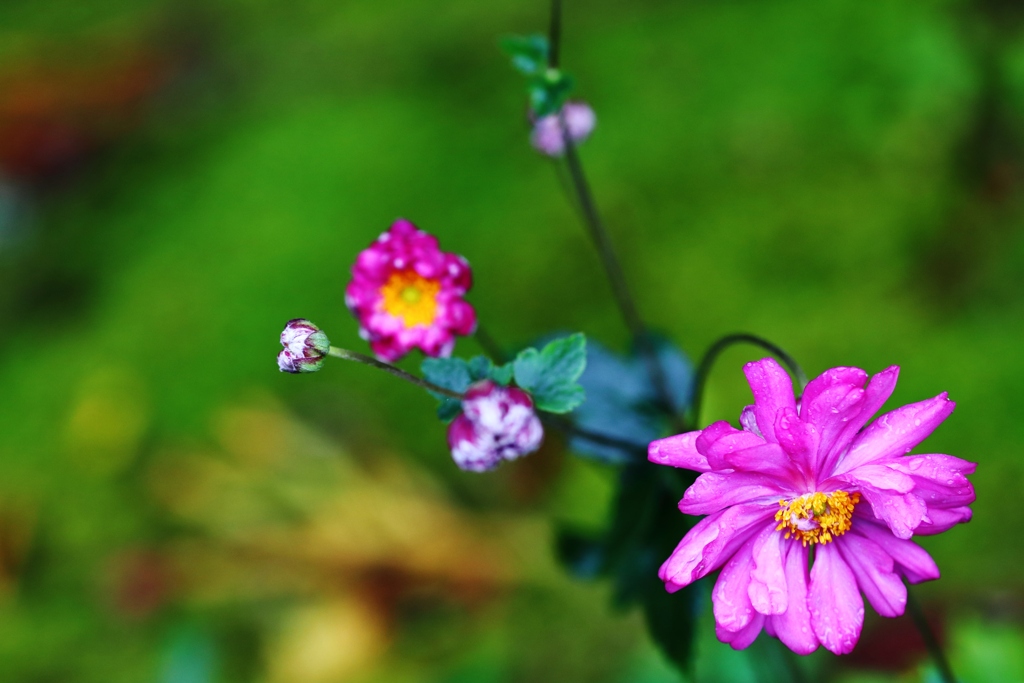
(411, 297)
(817, 517)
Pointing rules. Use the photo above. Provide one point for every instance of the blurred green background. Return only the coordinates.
(178, 179)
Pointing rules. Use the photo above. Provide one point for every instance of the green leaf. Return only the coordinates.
(529, 53)
(450, 373)
(549, 91)
(551, 374)
(502, 374)
(481, 367)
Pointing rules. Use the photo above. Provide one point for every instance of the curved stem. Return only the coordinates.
(930, 641)
(711, 355)
(345, 354)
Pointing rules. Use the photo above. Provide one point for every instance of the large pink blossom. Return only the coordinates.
(408, 294)
(812, 475)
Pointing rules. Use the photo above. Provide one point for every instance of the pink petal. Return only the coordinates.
(713, 491)
(837, 610)
(767, 458)
(939, 480)
(880, 477)
(911, 560)
(678, 451)
(773, 391)
(720, 439)
(831, 401)
(731, 604)
(799, 439)
(874, 569)
(709, 544)
(897, 432)
(768, 589)
(793, 627)
(749, 421)
(877, 392)
(742, 639)
(903, 513)
(938, 520)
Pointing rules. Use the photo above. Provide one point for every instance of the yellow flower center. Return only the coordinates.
(411, 297)
(817, 517)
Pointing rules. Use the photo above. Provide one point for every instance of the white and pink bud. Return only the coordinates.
(305, 347)
(548, 136)
(497, 423)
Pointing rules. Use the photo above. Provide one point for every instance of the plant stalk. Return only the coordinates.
(711, 355)
(938, 655)
(345, 354)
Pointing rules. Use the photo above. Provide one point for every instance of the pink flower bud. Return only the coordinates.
(305, 347)
(580, 121)
(497, 423)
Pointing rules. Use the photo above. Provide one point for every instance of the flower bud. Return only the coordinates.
(547, 136)
(497, 423)
(305, 347)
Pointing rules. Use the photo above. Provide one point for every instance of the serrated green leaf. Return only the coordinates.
(529, 53)
(560, 399)
(551, 374)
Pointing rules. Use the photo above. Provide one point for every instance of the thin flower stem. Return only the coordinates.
(602, 242)
(555, 34)
(711, 355)
(345, 354)
(930, 641)
(491, 347)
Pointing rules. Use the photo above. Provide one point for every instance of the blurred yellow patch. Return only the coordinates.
(107, 422)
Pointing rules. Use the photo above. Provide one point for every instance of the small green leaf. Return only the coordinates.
(480, 367)
(529, 53)
(551, 373)
(450, 373)
(502, 374)
(549, 90)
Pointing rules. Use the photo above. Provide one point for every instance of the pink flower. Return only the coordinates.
(810, 475)
(497, 423)
(407, 294)
(305, 347)
(580, 121)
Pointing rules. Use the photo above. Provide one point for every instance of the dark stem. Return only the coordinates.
(602, 242)
(491, 347)
(555, 33)
(711, 355)
(930, 641)
(345, 354)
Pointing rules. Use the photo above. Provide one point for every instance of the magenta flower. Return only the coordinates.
(809, 475)
(547, 136)
(407, 294)
(497, 423)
